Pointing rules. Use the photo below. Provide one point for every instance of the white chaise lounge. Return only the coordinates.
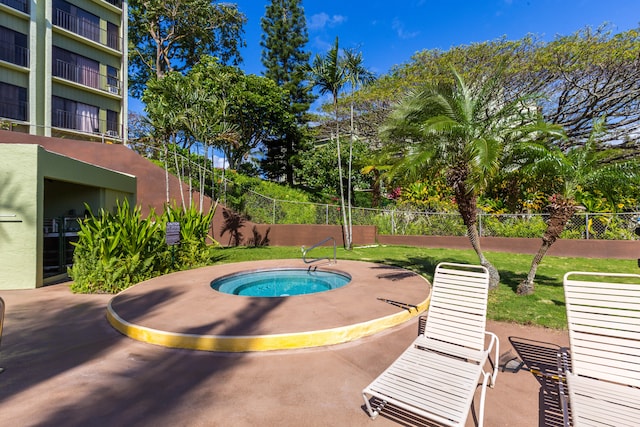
(603, 313)
(437, 376)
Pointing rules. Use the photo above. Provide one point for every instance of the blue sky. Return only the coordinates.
(389, 32)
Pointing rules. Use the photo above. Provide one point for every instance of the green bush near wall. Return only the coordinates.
(117, 250)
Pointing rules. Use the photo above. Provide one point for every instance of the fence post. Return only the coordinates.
(274, 212)
(393, 222)
(586, 225)
(480, 224)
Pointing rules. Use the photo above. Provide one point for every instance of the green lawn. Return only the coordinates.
(544, 308)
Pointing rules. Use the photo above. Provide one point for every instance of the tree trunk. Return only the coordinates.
(561, 211)
(467, 207)
(474, 238)
(375, 196)
(166, 170)
(175, 155)
(527, 286)
(345, 225)
(350, 223)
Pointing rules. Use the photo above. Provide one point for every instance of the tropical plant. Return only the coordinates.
(463, 131)
(117, 250)
(587, 166)
(328, 73)
(192, 251)
(357, 75)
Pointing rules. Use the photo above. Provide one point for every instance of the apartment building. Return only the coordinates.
(63, 68)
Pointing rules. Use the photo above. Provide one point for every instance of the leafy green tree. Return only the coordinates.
(588, 167)
(328, 73)
(318, 170)
(357, 75)
(172, 35)
(286, 60)
(579, 77)
(587, 75)
(462, 131)
(221, 106)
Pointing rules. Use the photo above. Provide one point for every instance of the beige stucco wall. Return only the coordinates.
(23, 171)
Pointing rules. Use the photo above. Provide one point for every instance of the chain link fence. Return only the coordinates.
(402, 221)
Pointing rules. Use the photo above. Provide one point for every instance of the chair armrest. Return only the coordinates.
(563, 368)
(493, 342)
(422, 323)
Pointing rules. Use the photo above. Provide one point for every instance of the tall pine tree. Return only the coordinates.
(285, 60)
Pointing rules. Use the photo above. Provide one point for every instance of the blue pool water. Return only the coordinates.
(279, 282)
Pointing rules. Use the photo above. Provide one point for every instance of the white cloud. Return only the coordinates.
(220, 162)
(321, 20)
(321, 44)
(398, 27)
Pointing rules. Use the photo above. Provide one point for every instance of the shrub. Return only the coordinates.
(115, 251)
(194, 231)
(513, 226)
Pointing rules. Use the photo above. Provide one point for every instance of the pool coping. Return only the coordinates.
(362, 308)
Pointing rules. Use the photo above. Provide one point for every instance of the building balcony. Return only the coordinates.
(88, 29)
(86, 122)
(116, 3)
(21, 5)
(14, 110)
(15, 54)
(87, 77)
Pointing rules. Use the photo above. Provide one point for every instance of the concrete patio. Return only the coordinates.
(66, 366)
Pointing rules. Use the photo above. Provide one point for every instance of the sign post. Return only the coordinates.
(173, 238)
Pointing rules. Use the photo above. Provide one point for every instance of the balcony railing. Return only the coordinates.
(88, 29)
(83, 75)
(86, 76)
(11, 52)
(21, 5)
(14, 110)
(116, 3)
(88, 123)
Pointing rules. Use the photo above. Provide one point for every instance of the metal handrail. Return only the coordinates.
(306, 251)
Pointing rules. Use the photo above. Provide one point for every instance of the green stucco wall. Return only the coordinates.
(27, 171)
(19, 217)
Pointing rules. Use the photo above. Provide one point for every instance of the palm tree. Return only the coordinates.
(329, 75)
(460, 131)
(586, 167)
(357, 75)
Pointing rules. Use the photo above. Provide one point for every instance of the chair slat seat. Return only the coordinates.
(603, 315)
(436, 377)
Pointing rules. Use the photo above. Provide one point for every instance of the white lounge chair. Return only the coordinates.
(437, 376)
(603, 313)
(1, 323)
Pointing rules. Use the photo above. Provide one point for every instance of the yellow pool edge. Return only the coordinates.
(247, 343)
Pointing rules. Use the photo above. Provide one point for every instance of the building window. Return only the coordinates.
(70, 114)
(76, 20)
(21, 5)
(112, 124)
(113, 36)
(13, 47)
(112, 80)
(76, 68)
(13, 102)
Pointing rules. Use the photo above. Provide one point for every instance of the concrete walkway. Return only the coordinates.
(66, 366)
